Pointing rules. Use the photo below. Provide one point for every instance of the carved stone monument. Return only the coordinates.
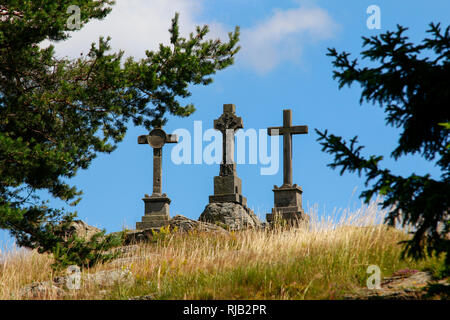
(157, 205)
(227, 185)
(287, 197)
(228, 206)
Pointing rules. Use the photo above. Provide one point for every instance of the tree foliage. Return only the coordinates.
(411, 82)
(57, 114)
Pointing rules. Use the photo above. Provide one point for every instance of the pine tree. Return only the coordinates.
(411, 82)
(57, 114)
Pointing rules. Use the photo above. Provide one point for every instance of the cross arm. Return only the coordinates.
(142, 139)
(170, 138)
(275, 131)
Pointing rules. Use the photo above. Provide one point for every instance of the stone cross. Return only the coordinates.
(228, 123)
(287, 130)
(288, 197)
(156, 205)
(157, 139)
(227, 185)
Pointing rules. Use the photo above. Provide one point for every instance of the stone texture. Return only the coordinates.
(57, 287)
(182, 224)
(82, 229)
(185, 224)
(233, 216)
(109, 278)
(402, 285)
(40, 290)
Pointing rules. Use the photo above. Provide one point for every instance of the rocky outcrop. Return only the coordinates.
(185, 224)
(178, 223)
(231, 216)
(40, 290)
(82, 229)
(61, 286)
(402, 285)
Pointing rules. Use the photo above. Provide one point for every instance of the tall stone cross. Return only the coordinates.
(288, 197)
(287, 130)
(228, 123)
(227, 185)
(157, 139)
(157, 205)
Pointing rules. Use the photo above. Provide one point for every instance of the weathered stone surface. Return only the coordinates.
(185, 224)
(40, 290)
(182, 224)
(402, 285)
(136, 236)
(232, 215)
(227, 184)
(57, 288)
(109, 278)
(82, 229)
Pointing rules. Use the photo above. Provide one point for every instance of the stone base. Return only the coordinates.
(288, 205)
(288, 196)
(227, 184)
(151, 221)
(289, 217)
(156, 212)
(228, 189)
(231, 197)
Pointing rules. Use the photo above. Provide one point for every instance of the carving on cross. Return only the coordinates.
(227, 124)
(287, 130)
(157, 138)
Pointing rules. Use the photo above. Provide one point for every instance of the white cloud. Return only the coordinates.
(283, 35)
(134, 26)
(139, 25)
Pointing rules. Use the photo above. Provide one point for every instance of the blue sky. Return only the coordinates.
(282, 64)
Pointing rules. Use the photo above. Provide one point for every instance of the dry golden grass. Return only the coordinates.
(323, 261)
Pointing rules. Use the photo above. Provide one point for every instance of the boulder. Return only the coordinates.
(109, 278)
(82, 229)
(40, 290)
(404, 284)
(185, 224)
(181, 223)
(58, 287)
(231, 216)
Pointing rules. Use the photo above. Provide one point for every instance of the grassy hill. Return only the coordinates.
(327, 260)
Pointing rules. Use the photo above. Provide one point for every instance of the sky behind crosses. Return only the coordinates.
(282, 64)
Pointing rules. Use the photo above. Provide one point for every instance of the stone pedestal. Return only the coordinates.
(288, 205)
(228, 187)
(156, 212)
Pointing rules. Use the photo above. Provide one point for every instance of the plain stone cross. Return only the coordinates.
(157, 138)
(228, 123)
(287, 130)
